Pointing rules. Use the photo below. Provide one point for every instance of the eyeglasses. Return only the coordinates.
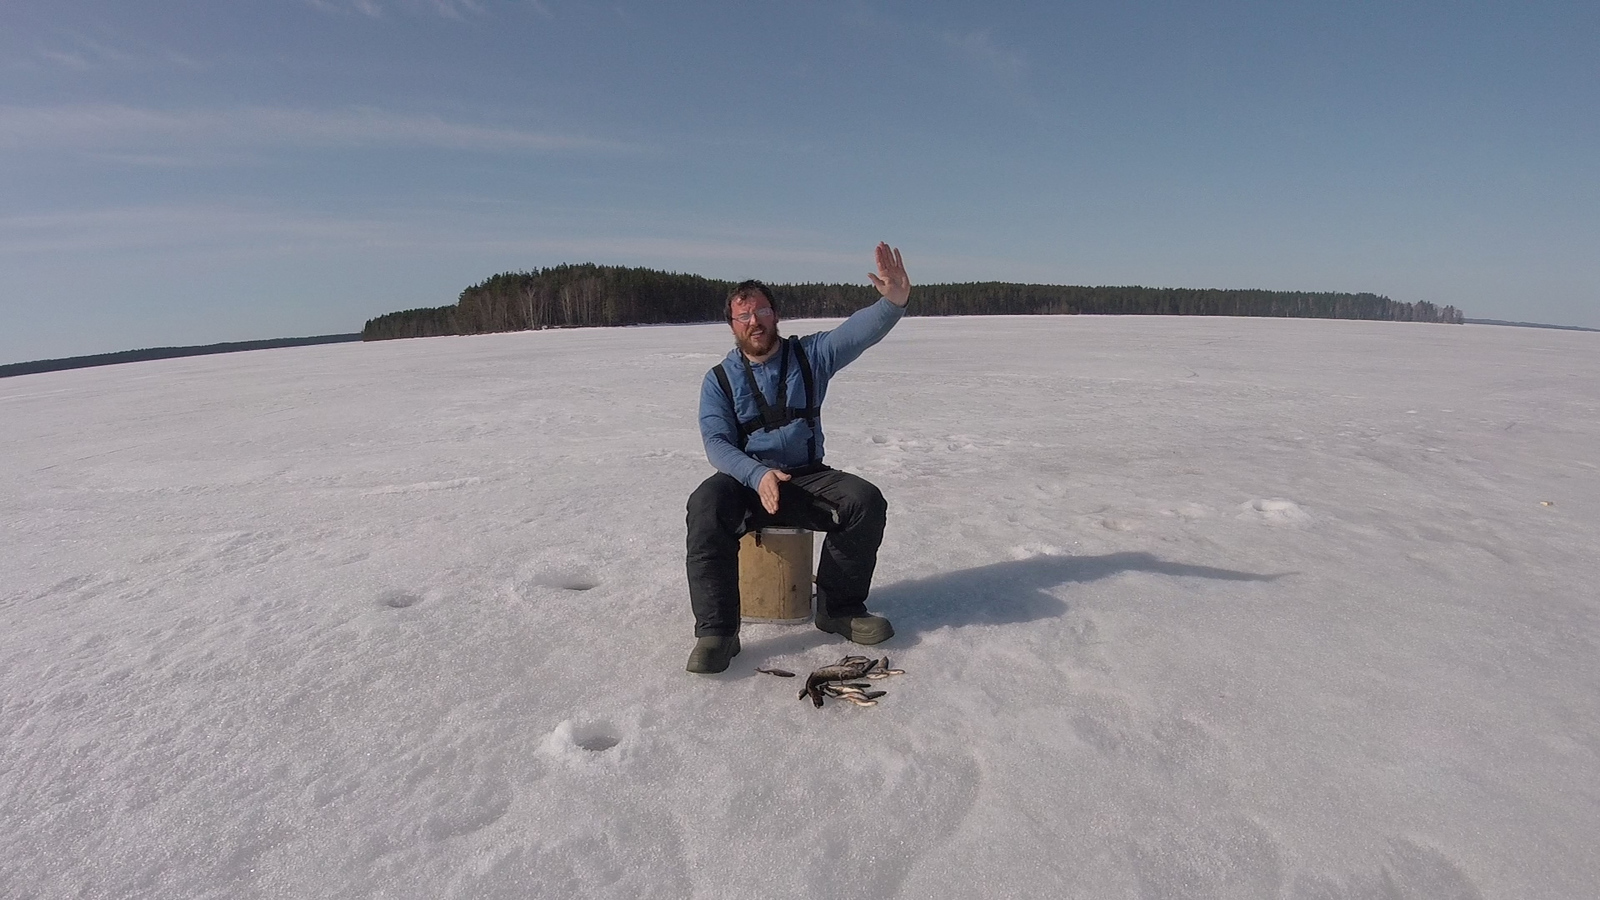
(745, 318)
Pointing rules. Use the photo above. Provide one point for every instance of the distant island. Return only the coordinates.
(126, 356)
(1529, 325)
(568, 296)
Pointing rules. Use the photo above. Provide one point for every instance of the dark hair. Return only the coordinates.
(745, 291)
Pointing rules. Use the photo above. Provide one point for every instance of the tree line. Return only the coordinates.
(569, 296)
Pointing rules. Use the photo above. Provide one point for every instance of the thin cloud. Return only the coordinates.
(80, 52)
(366, 8)
(456, 9)
(65, 59)
(373, 9)
(983, 62)
(176, 232)
(979, 48)
(629, 250)
(133, 129)
(997, 67)
(172, 228)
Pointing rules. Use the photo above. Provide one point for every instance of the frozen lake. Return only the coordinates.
(1232, 608)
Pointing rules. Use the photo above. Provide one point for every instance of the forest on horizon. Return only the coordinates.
(583, 295)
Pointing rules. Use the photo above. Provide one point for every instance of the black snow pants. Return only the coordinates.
(850, 509)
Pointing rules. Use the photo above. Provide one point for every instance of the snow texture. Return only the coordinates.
(1189, 608)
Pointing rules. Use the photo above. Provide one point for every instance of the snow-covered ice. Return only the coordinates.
(1227, 608)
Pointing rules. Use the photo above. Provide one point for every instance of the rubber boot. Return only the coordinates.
(712, 654)
(867, 629)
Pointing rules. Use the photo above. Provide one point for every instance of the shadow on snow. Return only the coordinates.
(1014, 591)
(1001, 593)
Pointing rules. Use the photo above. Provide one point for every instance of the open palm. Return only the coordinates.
(891, 280)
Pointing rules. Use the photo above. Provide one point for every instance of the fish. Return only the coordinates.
(848, 690)
(848, 669)
(781, 673)
(882, 670)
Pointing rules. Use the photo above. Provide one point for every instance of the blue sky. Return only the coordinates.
(180, 173)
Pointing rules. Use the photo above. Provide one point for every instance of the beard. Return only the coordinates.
(758, 341)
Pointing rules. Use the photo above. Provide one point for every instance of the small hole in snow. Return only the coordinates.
(573, 579)
(399, 599)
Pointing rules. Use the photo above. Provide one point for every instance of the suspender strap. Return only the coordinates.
(775, 414)
(727, 391)
(771, 416)
(811, 410)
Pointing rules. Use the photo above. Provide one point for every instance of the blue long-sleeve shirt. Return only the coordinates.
(786, 447)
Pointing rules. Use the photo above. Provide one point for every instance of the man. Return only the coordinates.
(760, 420)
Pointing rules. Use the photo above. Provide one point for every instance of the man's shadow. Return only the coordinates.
(1016, 591)
(1001, 593)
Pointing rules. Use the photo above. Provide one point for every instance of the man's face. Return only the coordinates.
(758, 336)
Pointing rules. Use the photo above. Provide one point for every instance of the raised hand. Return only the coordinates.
(891, 280)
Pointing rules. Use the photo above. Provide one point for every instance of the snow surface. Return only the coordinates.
(1231, 608)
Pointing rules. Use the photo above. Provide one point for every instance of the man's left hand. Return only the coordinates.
(891, 280)
(768, 489)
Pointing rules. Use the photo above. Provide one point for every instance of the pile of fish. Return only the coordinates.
(840, 680)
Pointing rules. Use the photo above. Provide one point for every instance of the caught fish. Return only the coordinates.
(781, 673)
(848, 669)
(846, 691)
(883, 671)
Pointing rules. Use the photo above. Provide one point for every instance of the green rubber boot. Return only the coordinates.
(712, 654)
(860, 629)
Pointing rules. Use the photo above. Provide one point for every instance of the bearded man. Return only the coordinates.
(760, 418)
